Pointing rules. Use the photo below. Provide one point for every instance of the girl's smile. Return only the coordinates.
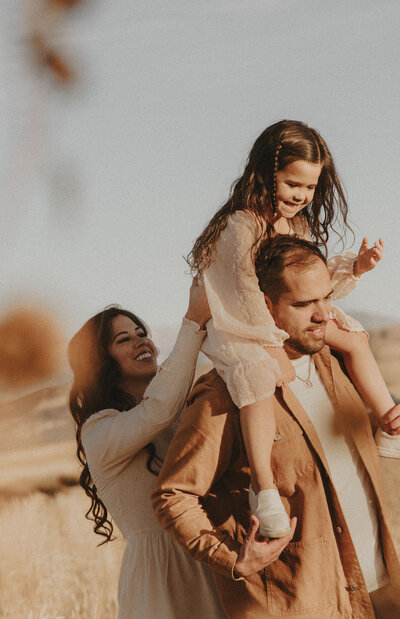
(295, 186)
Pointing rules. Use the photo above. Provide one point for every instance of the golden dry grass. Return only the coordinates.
(50, 566)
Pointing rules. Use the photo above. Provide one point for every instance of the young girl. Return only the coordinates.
(289, 186)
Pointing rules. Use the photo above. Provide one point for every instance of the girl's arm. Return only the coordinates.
(345, 270)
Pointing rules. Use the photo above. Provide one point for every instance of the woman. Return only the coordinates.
(123, 406)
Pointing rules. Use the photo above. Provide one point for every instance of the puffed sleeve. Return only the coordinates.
(111, 438)
(241, 323)
(341, 272)
(340, 267)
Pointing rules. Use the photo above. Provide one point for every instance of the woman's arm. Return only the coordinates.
(111, 437)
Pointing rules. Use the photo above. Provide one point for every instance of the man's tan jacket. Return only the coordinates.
(201, 499)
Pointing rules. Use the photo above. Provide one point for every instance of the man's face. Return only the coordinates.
(303, 310)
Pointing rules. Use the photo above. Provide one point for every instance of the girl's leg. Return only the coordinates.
(258, 428)
(361, 366)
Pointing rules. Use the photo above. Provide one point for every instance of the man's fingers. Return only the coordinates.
(392, 425)
(279, 544)
(253, 527)
(393, 413)
(391, 421)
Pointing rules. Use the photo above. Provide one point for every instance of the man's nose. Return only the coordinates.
(321, 312)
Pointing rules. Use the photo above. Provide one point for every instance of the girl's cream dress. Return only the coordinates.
(241, 324)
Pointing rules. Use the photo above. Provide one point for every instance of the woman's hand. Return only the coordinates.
(287, 370)
(256, 552)
(198, 310)
(367, 258)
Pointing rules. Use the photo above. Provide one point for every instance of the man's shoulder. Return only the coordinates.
(212, 388)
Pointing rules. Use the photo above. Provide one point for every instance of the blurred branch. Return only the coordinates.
(47, 17)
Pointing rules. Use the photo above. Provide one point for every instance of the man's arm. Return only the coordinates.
(199, 455)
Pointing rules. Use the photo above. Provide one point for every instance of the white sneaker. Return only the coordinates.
(388, 446)
(269, 509)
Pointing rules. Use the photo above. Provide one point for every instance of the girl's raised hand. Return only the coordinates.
(198, 309)
(368, 257)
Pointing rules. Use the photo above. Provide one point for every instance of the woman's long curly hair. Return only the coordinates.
(95, 387)
(255, 190)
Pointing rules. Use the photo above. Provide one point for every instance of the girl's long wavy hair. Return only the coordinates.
(255, 190)
(95, 387)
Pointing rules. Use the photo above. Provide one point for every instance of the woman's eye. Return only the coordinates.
(141, 334)
(123, 339)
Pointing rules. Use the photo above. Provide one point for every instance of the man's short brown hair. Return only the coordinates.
(279, 252)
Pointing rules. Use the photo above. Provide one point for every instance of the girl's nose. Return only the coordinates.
(298, 196)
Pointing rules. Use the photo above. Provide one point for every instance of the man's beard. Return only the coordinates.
(304, 346)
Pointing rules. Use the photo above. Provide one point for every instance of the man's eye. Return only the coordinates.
(141, 334)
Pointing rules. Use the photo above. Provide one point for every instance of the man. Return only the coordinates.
(325, 466)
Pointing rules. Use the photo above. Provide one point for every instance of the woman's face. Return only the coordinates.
(134, 352)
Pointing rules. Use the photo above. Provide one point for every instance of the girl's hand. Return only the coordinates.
(287, 370)
(198, 310)
(367, 257)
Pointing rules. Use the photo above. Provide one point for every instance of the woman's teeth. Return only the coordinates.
(144, 355)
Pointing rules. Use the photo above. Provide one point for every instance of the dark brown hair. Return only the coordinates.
(278, 253)
(94, 388)
(254, 191)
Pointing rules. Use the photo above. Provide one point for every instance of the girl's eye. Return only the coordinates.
(123, 339)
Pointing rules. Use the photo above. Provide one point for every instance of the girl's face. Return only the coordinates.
(134, 352)
(295, 186)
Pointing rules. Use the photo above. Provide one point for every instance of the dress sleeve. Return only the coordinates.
(111, 438)
(237, 304)
(241, 324)
(340, 267)
(341, 272)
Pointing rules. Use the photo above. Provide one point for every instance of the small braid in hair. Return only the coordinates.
(276, 163)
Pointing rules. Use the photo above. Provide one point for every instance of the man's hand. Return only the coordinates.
(256, 552)
(367, 258)
(391, 421)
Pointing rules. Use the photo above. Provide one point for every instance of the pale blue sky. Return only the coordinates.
(104, 187)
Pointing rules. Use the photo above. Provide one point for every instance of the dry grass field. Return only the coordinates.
(50, 565)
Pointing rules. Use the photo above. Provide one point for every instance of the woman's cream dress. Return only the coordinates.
(158, 579)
